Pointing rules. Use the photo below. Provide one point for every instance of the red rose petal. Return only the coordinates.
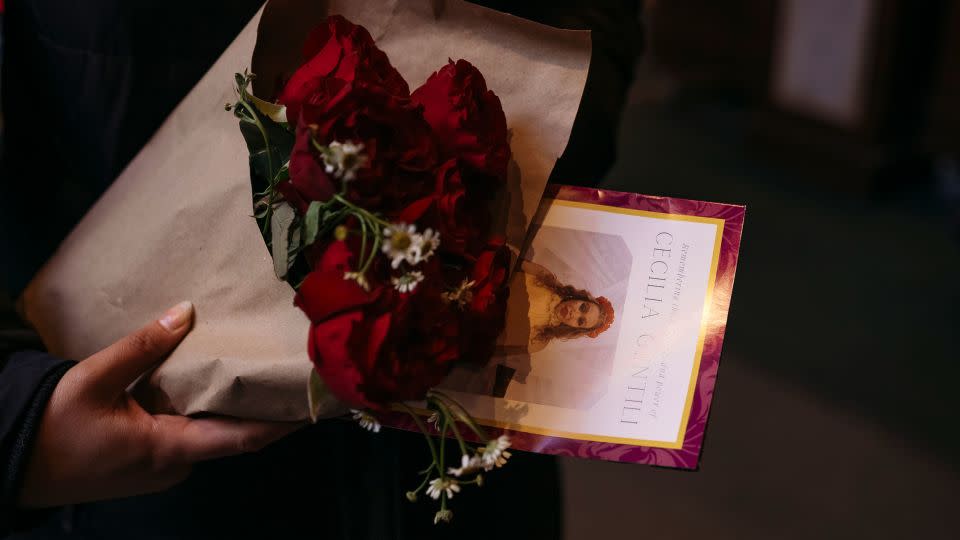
(328, 346)
(324, 293)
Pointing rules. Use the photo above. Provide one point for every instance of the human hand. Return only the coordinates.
(96, 442)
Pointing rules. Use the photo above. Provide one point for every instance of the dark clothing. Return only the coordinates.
(27, 380)
(332, 481)
(617, 39)
(85, 85)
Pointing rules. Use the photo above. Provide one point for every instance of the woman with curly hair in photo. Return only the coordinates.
(541, 310)
(560, 311)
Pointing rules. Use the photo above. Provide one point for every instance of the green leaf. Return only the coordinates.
(295, 236)
(281, 144)
(293, 250)
(311, 223)
(280, 221)
(283, 174)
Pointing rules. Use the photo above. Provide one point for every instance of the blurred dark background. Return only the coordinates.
(837, 122)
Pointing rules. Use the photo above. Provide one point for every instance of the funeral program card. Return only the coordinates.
(614, 328)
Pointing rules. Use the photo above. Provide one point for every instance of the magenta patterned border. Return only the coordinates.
(688, 456)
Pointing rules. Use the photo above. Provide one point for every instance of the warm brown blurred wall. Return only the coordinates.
(723, 45)
(842, 88)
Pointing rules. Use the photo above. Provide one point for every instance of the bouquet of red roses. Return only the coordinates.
(376, 205)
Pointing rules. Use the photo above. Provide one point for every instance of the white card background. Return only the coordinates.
(632, 383)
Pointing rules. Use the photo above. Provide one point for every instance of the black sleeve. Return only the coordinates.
(85, 85)
(27, 380)
(618, 41)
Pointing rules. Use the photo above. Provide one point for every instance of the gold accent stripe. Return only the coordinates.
(643, 213)
(704, 324)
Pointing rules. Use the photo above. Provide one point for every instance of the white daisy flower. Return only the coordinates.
(366, 420)
(359, 277)
(400, 243)
(495, 453)
(500, 460)
(426, 244)
(468, 465)
(439, 486)
(407, 282)
(343, 160)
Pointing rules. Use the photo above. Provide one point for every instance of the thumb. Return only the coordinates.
(113, 369)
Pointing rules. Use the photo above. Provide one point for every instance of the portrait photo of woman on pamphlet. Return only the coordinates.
(560, 328)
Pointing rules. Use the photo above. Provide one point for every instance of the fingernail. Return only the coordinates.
(177, 316)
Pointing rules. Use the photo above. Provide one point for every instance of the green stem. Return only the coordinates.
(366, 259)
(461, 413)
(423, 429)
(426, 478)
(270, 192)
(373, 217)
(467, 482)
(453, 424)
(251, 110)
(463, 444)
(252, 116)
(276, 177)
(443, 433)
(363, 237)
(373, 253)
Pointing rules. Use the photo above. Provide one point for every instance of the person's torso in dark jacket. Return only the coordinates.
(85, 85)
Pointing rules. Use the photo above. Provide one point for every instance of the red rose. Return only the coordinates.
(490, 277)
(467, 118)
(464, 205)
(347, 91)
(377, 347)
(455, 217)
(457, 209)
(308, 181)
(341, 50)
(420, 349)
(396, 140)
(484, 315)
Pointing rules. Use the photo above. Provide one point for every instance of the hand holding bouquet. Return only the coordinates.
(375, 203)
(354, 177)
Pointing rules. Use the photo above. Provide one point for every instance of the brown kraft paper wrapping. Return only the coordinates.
(177, 222)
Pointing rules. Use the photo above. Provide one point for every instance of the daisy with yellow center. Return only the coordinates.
(400, 243)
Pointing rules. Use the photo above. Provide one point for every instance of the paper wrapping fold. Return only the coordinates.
(177, 222)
